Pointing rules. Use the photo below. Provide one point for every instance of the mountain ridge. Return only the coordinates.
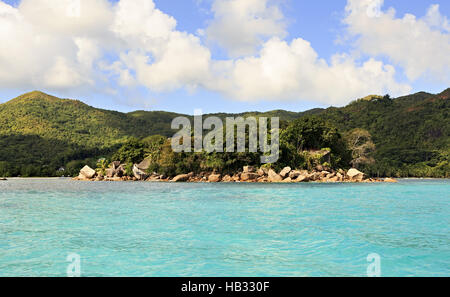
(36, 94)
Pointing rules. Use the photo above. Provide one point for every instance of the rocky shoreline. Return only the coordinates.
(250, 174)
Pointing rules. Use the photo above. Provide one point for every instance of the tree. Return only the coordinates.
(311, 133)
(132, 151)
(5, 169)
(360, 143)
(153, 145)
(305, 136)
(102, 165)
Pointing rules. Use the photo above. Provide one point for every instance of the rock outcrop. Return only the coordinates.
(214, 178)
(261, 172)
(302, 178)
(110, 172)
(249, 169)
(355, 175)
(87, 172)
(237, 177)
(294, 174)
(138, 173)
(250, 174)
(247, 176)
(227, 179)
(144, 165)
(273, 177)
(182, 177)
(285, 172)
(390, 180)
(120, 171)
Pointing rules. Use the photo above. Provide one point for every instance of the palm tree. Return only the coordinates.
(102, 165)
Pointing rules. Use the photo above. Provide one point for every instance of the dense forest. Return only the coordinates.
(41, 135)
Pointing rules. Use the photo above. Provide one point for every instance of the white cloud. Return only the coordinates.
(162, 57)
(241, 26)
(61, 75)
(43, 47)
(419, 45)
(141, 22)
(182, 62)
(293, 71)
(436, 20)
(74, 17)
(132, 44)
(88, 51)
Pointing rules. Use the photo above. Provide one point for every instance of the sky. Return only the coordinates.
(223, 55)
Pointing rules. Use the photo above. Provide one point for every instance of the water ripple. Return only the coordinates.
(160, 229)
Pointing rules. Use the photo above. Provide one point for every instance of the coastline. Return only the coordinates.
(72, 178)
(250, 174)
(207, 182)
(380, 180)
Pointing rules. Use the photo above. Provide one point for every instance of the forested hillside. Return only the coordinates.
(40, 134)
(411, 133)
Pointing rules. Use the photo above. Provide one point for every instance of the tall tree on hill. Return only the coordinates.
(360, 143)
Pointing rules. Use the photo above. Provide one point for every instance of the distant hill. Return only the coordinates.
(37, 129)
(408, 130)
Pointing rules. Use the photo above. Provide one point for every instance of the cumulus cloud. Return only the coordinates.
(130, 44)
(161, 57)
(74, 17)
(241, 26)
(292, 71)
(44, 46)
(436, 20)
(421, 46)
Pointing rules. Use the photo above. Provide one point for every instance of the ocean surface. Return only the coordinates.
(163, 229)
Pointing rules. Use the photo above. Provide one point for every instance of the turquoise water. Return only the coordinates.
(161, 229)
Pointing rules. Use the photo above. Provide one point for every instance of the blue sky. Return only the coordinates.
(303, 35)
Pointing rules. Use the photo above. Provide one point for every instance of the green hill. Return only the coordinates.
(39, 130)
(40, 133)
(412, 130)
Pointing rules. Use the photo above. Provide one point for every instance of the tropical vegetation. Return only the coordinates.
(41, 135)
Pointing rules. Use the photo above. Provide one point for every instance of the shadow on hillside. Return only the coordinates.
(35, 150)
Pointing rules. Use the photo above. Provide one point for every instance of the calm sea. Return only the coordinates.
(162, 229)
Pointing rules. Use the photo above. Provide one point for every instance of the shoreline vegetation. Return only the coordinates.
(409, 136)
(310, 150)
